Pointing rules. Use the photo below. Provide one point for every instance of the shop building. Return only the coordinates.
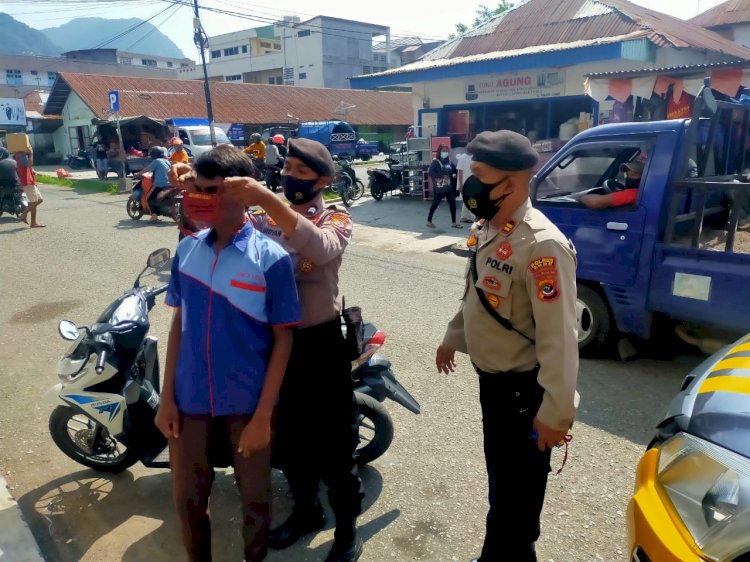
(526, 69)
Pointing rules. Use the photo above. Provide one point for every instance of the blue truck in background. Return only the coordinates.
(679, 258)
(339, 137)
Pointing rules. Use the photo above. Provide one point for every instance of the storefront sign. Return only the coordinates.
(12, 112)
(236, 132)
(522, 85)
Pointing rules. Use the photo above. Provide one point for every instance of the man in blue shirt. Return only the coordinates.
(159, 167)
(235, 301)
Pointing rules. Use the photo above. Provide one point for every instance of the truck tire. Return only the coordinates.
(594, 322)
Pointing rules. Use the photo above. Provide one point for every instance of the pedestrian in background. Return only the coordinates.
(463, 170)
(25, 168)
(441, 173)
(234, 299)
(517, 322)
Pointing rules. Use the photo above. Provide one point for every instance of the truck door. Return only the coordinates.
(608, 240)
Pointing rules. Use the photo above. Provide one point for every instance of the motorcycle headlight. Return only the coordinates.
(709, 487)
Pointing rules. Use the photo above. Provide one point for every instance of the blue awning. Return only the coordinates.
(188, 122)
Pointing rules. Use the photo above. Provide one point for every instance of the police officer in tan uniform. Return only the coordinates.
(317, 428)
(517, 323)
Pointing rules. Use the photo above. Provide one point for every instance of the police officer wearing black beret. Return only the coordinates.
(517, 322)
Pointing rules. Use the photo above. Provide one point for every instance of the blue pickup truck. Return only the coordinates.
(679, 257)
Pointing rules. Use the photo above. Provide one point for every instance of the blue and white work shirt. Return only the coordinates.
(229, 304)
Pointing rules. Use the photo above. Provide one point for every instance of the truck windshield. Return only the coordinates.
(203, 136)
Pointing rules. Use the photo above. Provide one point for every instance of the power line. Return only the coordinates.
(174, 9)
(130, 29)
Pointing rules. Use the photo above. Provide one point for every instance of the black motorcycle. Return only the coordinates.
(273, 175)
(385, 181)
(13, 201)
(357, 188)
(80, 161)
(108, 393)
(170, 205)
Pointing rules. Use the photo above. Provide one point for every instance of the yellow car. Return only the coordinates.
(692, 489)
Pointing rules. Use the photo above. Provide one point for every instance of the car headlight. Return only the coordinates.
(709, 487)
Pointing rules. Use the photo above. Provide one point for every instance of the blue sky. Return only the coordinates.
(413, 17)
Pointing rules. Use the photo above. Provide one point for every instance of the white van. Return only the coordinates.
(197, 139)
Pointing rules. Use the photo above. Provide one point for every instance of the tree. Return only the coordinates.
(484, 14)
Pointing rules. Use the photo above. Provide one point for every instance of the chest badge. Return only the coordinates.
(306, 265)
(509, 226)
(494, 300)
(472, 241)
(491, 283)
(504, 251)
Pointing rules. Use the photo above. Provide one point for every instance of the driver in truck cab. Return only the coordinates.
(627, 196)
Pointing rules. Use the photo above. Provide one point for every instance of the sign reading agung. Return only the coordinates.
(521, 85)
(12, 112)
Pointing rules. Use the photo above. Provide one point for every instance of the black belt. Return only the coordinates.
(509, 374)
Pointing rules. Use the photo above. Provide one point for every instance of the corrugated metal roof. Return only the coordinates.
(671, 70)
(727, 13)
(501, 55)
(547, 22)
(232, 102)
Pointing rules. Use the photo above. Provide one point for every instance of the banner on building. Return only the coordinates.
(519, 85)
(12, 112)
(236, 132)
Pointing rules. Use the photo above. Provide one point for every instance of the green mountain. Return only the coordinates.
(20, 39)
(87, 33)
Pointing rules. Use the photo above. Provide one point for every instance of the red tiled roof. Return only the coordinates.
(232, 102)
(549, 22)
(727, 13)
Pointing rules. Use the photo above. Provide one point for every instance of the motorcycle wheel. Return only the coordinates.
(104, 454)
(345, 190)
(135, 211)
(375, 429)
(375, 191)
(358, 190)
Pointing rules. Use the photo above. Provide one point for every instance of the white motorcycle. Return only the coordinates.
(108, 392)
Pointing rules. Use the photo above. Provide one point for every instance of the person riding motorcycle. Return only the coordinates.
(10, 183)
(178, 152)
(256, 150)
(274, 162)
(278, 140)
(159, 167)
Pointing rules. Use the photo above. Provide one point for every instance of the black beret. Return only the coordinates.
(504, 150)
(314, 154)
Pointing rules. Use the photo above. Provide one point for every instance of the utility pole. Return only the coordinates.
(201, 41)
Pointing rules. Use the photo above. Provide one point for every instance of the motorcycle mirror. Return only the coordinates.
(68, 330)
(158, 257)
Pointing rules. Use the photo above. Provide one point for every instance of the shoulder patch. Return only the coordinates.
(341, 221)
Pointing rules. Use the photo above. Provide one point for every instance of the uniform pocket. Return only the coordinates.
(496, 288)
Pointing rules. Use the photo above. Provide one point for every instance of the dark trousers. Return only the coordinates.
(317, 430)
(190, 457)
(516, 469)
(436, 198)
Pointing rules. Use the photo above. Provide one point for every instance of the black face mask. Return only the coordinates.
(476, 196)
(632, 182)
(298, 191)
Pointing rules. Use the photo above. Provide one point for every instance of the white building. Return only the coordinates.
(322, 52)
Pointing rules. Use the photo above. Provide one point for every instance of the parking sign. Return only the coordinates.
(114, 101)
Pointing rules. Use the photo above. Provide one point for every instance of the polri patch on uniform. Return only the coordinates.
(472, 241)
(504, 251)
(306, 265)
(543, 267)
(491, 282)
(341, 222)
(509, 226)
(494, 300)
(547, 289)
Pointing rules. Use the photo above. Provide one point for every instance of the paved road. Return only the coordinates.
(425, 497)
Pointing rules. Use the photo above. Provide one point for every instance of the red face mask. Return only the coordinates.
(202, 207)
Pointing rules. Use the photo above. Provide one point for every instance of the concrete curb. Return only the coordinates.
(17, 544)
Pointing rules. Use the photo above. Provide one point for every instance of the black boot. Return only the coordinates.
(299, 523)
(346, 549)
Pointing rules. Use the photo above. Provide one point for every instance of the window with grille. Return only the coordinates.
(13, 76)
(244, 49)
(216, 54)
(233, 78)
(231, 51)
(126, 61)
(170, 64)
(302, 75)
(303, 33)
(366, 70)
(265, 45)
(148, 62)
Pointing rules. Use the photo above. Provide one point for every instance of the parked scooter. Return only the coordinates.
(80, 161)
(385, 181)
(345, 166)
(13, 201)
(108, 393)
(168, 206)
